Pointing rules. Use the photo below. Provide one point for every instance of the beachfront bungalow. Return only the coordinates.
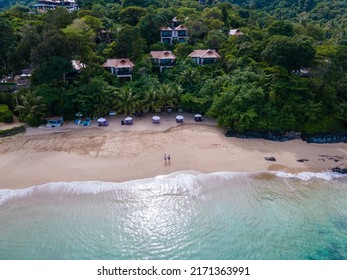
(163, 59)
(177, 33)
(43, 6)
(121, 67)
(203, 57)
(235, 32)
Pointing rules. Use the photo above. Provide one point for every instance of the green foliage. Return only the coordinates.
(6, 42)
(31, 108)
(7, 99)
(215, 39)
(3, 108)
(197, 30)
(131, 15)
(291, 53)
(129, 43)
(126, 101)
(54, 70)
(183, 49)
(81, 38)
(12, 131)
(252, 87)
(284, 28)
(239, 106)
(53, 44)
(93, 97)
(7, 117)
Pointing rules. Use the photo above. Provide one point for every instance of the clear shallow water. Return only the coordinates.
(211, 216)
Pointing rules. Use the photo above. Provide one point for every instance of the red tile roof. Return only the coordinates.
(166, 28)
(181, 27)
(235, 32)
(205, 54)
(78, 65)
(118, 63)
(163, 55)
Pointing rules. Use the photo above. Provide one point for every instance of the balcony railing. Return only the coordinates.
(124, 71)
(167, 62)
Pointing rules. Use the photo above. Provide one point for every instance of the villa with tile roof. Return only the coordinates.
(163, 59)
(235, 32)
(177, 33)
(121, 67)
(170, 35)
(77, 65)
(203, 57)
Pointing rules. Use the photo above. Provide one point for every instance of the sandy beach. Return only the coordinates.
(120, 153)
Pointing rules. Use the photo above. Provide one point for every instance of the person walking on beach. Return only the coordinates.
(168, 158)
(165, 158)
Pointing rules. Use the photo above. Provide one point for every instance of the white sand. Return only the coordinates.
(119, 153)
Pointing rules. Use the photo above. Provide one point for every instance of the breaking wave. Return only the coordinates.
(179, 183)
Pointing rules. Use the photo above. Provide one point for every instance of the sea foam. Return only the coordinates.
(306, 176)
(179, 183)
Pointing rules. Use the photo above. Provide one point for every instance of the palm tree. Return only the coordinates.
(126, 101)
(31, 107)
(151, 101)
(169, 94)
(103, 103)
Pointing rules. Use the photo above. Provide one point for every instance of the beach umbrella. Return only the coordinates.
(179, 117)
(128, 119)
(101, 120)
(155, 118)
(197, 116)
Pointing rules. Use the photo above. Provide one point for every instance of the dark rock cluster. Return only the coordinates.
(342, 168)
(319, 138)
(322, 138)
(268, 135)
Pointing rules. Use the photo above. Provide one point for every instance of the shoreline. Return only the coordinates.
(123, 153)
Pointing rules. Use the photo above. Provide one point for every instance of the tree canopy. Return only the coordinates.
(285, 69)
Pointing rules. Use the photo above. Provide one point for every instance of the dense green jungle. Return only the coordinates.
(257, 84)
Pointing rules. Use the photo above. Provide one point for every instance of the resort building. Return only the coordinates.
(203, 57)
(235, 32)
(163, 59)
(76, 68)
(121, 67)
(43, 6)
(177, 33)
(77, 65)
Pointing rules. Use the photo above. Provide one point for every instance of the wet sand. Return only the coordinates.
(120, 153)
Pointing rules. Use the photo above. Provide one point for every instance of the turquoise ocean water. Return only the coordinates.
(207, 216)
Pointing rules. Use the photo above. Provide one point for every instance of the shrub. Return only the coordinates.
(7, 117)
(5, 114)
(3, 108)
(34, 121)
(12, 131)
(6, 98)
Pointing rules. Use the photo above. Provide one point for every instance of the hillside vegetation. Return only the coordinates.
(256, 85)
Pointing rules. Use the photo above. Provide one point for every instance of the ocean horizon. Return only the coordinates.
(181, 216)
